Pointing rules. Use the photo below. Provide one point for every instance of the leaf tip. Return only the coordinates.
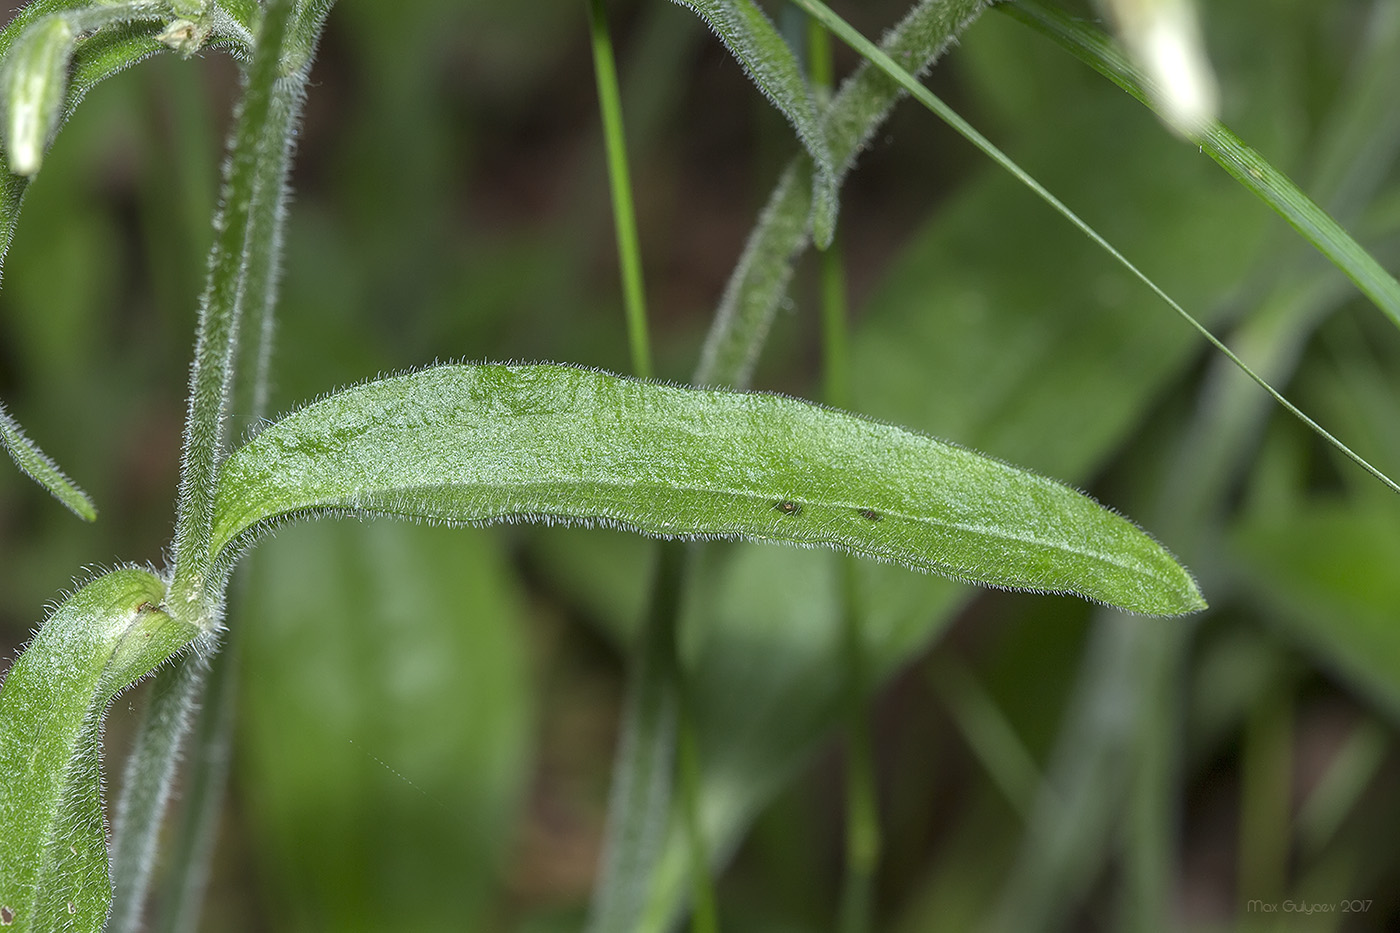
(82, 506)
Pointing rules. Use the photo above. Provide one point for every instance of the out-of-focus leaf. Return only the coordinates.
(1328, 574)
(101, 640)
(473, 444)
(385, 726)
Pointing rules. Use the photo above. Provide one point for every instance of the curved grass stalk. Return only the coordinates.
(1241, 161)
(926, 97)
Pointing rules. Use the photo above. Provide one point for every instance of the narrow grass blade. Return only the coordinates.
(755, 42)
(483, 443)
(105, 637)
(37, 465)
(926, 97)
(629, 251)
(1243, 163)
(759, 281)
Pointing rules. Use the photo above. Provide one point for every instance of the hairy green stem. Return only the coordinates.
(208, 768)
(146, 787)
(204, 783)
(194, 593)
(260, 278)
(759, 282)
(619, 179)
(242, 275)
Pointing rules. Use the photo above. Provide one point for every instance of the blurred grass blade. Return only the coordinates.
(759, 281)
(926, 97)
(640, 799)
(482, 443)
(755, 42)
(629, 253)
(37, 465)
(1243, 163)
(105, 637)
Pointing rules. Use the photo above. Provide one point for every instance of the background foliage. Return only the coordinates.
(427, 716)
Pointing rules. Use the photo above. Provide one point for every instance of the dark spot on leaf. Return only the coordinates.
(147, 607)
(788, 507)
(870, 515)
(7, 916)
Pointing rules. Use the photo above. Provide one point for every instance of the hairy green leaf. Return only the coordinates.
(751, 36)
(482, 443)
(37, 465)
(53, 850)
(1244, 164)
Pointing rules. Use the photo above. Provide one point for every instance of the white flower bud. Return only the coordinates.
(36, 80)
(1164, 38)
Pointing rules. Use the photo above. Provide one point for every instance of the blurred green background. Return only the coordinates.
(426, 716)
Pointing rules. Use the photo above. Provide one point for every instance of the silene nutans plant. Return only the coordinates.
(588, 691)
